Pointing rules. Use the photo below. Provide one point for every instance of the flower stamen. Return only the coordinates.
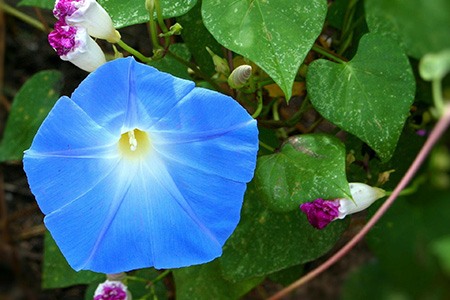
(132, 140)
(134, 143)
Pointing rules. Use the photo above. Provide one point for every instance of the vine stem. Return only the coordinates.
(134, 52)
(196, 70)
(435, 134)
(436, 86)
(260, 104)
(21, 16)
(328, 54)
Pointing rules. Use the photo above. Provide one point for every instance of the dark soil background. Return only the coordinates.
(24, 50)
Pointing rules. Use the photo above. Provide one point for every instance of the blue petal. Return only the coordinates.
(211, 132)
(69, 154)
(155, 215)
(120, 93)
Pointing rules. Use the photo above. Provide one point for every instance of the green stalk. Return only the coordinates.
(347, 27)
(161, 23)
(21, 16)
(153, 31)
(196, 70)
(134, 52)
(328, 54)
(264, 145)
(438, 100)
(260, 104)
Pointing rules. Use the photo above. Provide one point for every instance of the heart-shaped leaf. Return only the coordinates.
(30, 107)
(276, 35)
(56, 271)
(420, 26)
(128, 12)
(308, 167)
(266, 241)
(369, 96)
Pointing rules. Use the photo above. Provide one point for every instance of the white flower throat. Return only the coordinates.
(134, 144)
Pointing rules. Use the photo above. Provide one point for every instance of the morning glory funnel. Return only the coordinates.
(140, 169)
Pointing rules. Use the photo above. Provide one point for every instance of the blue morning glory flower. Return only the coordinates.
(139, 168)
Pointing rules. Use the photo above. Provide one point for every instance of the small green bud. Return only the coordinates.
(150, 5)
(435, 65)
(173, 30)
(158, 54)
(220, 63)
(240, 76)
(117, 53)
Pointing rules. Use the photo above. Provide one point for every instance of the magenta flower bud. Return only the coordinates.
(65, 8)
(322, 212)
(75, 45)
(111, 290)
(88, 14)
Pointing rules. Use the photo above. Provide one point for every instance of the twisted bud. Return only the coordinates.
(88, 14)
(321, 212)
(74, 44)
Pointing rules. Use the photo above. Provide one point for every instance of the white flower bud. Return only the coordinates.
(75, 45)
(88, 14)
(363, 196)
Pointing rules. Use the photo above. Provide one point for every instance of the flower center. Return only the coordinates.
(134, 143)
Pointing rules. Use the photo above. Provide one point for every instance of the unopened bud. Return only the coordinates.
(321, 212)
(75, 45)
(150, 5)
(112, 290)
(220, 64)
(88, 14)
(175, 29)
(435, 65)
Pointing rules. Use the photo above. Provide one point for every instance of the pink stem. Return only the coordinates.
(435, 134)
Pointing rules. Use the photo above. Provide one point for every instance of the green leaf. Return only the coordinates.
(421, 26)
(308, 167)
(266, 241)
(206, 282)
(170, 65)
(56, 271)
(441, 249)
(369, 96)
(197, 38)
(30, 107)
(276, 35)
(403, 241)
(128, 12)
(142, 289)
(90, 289)
(287, 276)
